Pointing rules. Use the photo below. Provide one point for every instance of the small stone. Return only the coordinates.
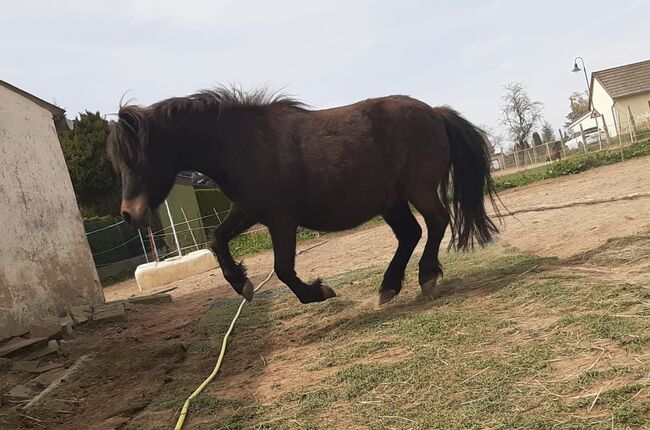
(50, 329)
(112, 311)
(15, 333)
(46, 367)
(152, 299)
(6, 364)
(25, 365)
(64, 348)
(113, 423)
(51, 348)
(66, 321)
(18, 394)
(43, 380)
(80, 314)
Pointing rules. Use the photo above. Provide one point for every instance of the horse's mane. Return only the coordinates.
(128, 140)
(222, 98)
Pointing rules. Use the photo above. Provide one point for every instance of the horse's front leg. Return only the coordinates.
(283, 235)
(235, 273)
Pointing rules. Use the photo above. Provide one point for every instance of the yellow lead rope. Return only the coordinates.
(186, 405)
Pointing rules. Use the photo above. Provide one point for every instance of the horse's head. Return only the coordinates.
(141, 156)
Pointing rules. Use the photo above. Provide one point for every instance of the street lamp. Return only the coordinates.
(577, 69)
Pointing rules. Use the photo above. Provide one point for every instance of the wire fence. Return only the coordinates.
(605, 133)
(118, 248)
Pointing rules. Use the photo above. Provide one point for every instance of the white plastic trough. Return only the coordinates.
(158, 273)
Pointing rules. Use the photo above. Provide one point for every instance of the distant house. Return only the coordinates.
(45, 262)
(586, 121)
(573, 134)
(619, 91)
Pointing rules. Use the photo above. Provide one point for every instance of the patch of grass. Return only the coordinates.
(9, 419)
(571, 166)
(216, 321)
(206, 404)
(173, 395)
(483, 355)
(255, 242)
(626, 331)
(359, 350)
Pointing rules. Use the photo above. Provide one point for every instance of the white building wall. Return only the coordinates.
(604, 104)
(640, 107)
(45, 261)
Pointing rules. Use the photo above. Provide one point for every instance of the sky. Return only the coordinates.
(84, 55)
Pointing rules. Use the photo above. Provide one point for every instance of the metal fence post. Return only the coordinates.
(217, 214)
(171, 221)
(146, 257)
(190, 228)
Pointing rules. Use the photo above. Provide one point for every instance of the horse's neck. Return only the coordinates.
(220, 151)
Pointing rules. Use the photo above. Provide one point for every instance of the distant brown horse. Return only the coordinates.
(286, 166)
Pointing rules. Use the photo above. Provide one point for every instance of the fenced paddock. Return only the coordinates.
(612, 137)
(547, 328)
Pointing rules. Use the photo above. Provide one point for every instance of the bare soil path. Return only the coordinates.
(152, 345)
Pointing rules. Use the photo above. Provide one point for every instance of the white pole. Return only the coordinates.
(190, 228)
(217, 214)
(600, 140)
(171, 221)
(146, 257)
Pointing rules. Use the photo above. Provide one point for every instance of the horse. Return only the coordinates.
(286, 166)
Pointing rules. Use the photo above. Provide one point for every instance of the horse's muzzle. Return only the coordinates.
(136, 212)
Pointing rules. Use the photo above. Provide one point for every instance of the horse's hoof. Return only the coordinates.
(428, 288)
(248, 291)
(385, 296)
(328, 293)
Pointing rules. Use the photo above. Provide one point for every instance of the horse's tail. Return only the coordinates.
(470, 182)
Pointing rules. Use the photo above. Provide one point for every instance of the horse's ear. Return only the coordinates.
(131, 119)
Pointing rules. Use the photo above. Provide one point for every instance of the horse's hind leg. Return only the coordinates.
(408, 233)
(437, 219)
(235, 223)
(283, 235)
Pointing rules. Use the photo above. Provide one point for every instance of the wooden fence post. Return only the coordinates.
(631, 119)
(606, 131)
(584, 141)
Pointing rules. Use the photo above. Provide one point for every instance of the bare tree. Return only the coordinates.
(519, 114)
(579, 106)
(495, 138)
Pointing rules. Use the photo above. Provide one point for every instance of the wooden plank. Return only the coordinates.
(20, 344)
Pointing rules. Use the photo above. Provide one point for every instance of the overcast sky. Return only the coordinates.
(85, 54)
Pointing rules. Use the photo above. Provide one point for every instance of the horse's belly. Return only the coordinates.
(336, 213)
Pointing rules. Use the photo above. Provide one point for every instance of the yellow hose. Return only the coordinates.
(186, 405)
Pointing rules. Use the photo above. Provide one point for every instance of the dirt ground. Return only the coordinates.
(157, 337)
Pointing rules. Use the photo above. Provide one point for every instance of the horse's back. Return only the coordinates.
(353, 161)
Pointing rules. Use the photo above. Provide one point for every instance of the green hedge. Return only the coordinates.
(108, 245)
(208, 201)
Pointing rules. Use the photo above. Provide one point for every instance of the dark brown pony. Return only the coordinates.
(285, 166)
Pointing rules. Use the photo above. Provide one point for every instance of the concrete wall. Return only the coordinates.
(45, 260)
